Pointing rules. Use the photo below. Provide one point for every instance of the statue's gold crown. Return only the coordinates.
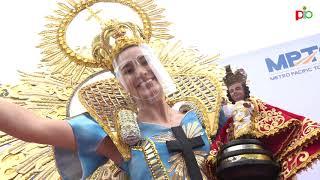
(239, 76)
(115, 37)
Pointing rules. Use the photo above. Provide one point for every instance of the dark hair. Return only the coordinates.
(246, 92)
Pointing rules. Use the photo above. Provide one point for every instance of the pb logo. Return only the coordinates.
(303, 14)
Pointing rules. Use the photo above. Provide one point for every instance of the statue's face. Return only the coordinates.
(136, 76)
(237, 92)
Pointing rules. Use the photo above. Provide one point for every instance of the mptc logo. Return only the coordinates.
(303, 14)
(291, 59)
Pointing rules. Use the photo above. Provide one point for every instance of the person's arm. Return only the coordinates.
(25, 125)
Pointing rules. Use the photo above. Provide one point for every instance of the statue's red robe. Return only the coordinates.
(294, 140)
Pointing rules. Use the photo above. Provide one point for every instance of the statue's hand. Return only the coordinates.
(224, 102)
(247, 105)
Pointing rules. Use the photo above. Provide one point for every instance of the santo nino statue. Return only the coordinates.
(259, 140)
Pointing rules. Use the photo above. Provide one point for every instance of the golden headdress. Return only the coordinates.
(115, 36)
(239, 76)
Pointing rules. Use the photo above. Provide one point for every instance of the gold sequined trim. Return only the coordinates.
(155, 164)
(163, 137)
(178, 165)
(192, 129)
(305, 136)
(268, 122)
(301, 160)
(271, 122)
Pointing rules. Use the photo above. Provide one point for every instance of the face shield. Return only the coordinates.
(142, 75)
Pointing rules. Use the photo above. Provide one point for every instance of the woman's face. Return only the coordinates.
(135, 75)
(237, 92)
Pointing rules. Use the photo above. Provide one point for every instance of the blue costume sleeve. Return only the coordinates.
(222, 120)
(81, 164)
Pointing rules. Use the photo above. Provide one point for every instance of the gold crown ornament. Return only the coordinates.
(115, 37)
(238, 76)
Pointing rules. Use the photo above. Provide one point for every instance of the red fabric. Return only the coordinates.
(293, 139)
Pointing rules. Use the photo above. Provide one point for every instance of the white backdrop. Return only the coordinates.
(225, 27)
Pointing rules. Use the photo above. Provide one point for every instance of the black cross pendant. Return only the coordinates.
(185, 146)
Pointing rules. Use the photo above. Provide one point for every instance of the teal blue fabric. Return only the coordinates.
(81, 164)
(89, 134)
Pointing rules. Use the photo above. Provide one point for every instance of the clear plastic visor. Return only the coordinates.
(141, 74)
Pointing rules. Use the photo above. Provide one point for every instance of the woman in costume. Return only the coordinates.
(138, 72)
(292, 139)
(130, 119)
